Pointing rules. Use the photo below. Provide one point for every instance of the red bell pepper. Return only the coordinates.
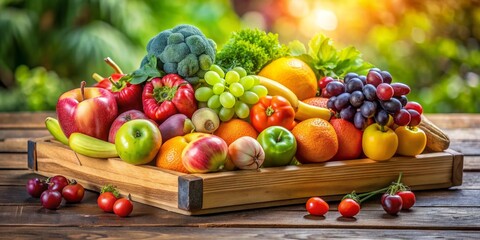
(128, 96)
(272, 111)
(164, 97)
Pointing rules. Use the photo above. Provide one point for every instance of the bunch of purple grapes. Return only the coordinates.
(361, 99)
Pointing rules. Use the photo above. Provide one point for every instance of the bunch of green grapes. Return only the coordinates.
(230, 94)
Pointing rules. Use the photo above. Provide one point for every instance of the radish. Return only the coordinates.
(176, 125)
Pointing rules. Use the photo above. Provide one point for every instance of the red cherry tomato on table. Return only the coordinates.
(392, 204)
(317, 206)
(51, 199)
(123, 207)
(349, 207)
(106, 201)
(35, 187)
(74, 192)
(57, 183)
(408, 198)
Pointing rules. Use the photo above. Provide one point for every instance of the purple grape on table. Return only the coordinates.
(392, 106)
(374, 78)
(415, 117)
(368, 109)
(370, 92)
(51, 199)
(335, 88)
(359, 121)
(381, 117)
(402, 118)
(384, 91)
(348, 113)
(342, 101)
(403, 100)
(387, 78)
(355, 84)
(357, 98)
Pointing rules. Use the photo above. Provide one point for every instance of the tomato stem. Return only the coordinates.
(269, 111)
(97, 77)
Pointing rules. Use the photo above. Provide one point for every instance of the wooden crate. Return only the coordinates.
(196, 194)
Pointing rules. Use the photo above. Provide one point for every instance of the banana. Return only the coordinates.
(306, 111)
(91, 147)
(276, 88)
(54, 128)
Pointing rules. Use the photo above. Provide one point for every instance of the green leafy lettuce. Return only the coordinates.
(251, 49)
(326, 60)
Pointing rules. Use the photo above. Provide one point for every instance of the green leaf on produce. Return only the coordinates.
(145, 72)
(326, 60)
(297, 48)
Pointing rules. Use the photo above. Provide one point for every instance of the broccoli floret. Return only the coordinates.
(183, 50)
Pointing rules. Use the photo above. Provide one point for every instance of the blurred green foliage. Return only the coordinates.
(433, 46)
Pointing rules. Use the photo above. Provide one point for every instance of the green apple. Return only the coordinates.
(138, 141)
(279, 145)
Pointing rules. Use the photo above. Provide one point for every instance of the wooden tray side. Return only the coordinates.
(428, 171)
(196, 194)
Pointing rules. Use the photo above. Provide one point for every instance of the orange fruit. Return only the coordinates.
(317, 101)
(170, 154)
(316, 140)
(234, 129)
(294, 74)
(349, 139)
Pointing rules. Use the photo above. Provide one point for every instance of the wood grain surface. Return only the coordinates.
(444, 213)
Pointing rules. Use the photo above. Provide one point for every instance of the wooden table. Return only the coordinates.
(451, 213)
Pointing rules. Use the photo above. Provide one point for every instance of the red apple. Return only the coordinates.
(123, 118)
(205, 154)
(89, 110)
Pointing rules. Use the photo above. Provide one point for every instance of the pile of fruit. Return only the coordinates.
(191, 109)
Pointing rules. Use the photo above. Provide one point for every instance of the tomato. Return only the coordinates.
(123, 207)
(164, 97)
(379, 143)
(57, 183)
(106, 200)
(392, 204)
(408, 198)
(138, 141)
(317, 206)
(74, 192)
(51, 199)
(349, 207)
(279, 146)
(411, 140)
(272, 111)
(35, 187)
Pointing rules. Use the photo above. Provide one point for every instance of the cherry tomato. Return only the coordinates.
(408, 198)
(35, 187)
(57, 183)
(73, 192)
(392, 204)
(317, 206)
(349, 207)
(122, 207)
(106, 201)
(51, 199)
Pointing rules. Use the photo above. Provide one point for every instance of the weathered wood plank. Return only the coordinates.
(453, 218)
(24, 119)
(13, 161)
(471, 163)
(120, 232)
(14, 145)
(455, 120)
(23, 133)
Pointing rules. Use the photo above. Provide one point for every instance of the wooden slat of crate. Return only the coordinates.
(228, 191)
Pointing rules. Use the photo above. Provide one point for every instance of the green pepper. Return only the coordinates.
(279, 145)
